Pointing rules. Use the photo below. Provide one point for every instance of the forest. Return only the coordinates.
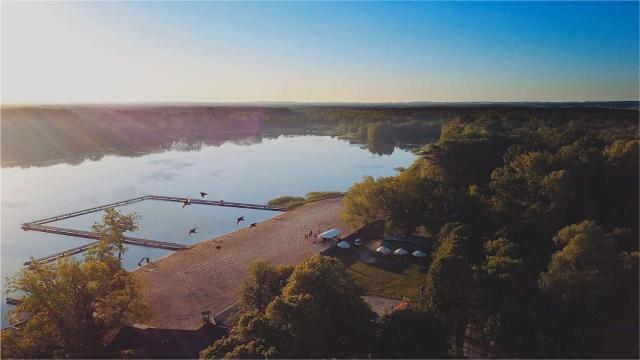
(535, 228)
(535, 222)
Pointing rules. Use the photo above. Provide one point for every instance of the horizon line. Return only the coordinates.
(293, 102)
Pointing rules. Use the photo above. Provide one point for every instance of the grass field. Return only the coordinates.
(385, 277)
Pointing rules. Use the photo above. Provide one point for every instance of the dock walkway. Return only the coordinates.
(38, 225)
(158, 198)
(94, 236)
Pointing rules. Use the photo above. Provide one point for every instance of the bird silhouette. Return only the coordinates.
(241, 218)
(253, 225)
(192, 231)
(203, 194)
(186, 202)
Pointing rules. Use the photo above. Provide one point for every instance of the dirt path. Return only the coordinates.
(205, 277)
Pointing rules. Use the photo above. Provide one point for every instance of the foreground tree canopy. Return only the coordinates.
(535, 228)
(72, 307)
(317, 312)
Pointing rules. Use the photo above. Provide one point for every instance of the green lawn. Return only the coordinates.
(383, 276)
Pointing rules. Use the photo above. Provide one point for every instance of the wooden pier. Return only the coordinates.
(87, 211)
(54, 257)
(216, 203)
(159, 198)
(94, 236)
(38, 225)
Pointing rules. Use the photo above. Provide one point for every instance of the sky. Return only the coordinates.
(105, 52)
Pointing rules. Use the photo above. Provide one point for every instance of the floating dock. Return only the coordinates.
(38, 225)
(94, 236)
(216, 203)
(159, 198)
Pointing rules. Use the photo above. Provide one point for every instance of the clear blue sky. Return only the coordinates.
(372, 52)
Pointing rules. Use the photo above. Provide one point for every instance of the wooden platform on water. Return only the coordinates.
(38, 225)
(158, 198)
(217, 203)
(94, 236)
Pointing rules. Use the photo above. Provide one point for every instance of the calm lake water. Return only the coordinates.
(254, 170)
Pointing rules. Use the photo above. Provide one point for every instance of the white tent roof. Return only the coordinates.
(418, 253)
(383, 250)
(344, 245)
(329, 234)
(401, 251)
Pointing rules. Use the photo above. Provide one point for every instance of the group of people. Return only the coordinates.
(314, 236)
(310, 235)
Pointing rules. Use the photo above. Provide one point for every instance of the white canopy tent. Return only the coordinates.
(401, 252)
(383, 250)
(418, 253)
(329, 234)
(344, 245)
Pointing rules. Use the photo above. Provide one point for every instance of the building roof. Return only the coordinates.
(152, 343)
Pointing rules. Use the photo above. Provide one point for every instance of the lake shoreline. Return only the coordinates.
(208, 276)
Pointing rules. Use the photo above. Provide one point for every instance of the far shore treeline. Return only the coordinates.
(42, 135)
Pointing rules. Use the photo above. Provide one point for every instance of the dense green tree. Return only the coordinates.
(411, 334)
(362, 204)
(501, 261)
(502, 298)
(581, 281)
(405, 201)
(337, 322)
(450, 281)
(585, 266)
(114, 225)
(72, 306)
(254, 337)
(263, 284)
(319, 314)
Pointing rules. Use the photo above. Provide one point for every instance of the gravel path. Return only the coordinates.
(180, 286)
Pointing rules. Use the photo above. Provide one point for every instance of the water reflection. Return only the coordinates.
(44, 156)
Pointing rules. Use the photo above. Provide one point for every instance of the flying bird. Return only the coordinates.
(192, 231)
(253, 225)
(241, 218)
(203, 194)
(186, 202)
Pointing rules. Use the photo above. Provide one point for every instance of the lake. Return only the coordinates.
(253, 170)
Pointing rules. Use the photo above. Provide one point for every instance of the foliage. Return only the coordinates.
(287, 202)
(405, 202)
(449, 287)
(291, 202)
(411, 334)
(586, 265)
(264, 283)
(111, 230)
(320, 195)
(363, 204)
(318, 314)
(532, 283)
(74, 306)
